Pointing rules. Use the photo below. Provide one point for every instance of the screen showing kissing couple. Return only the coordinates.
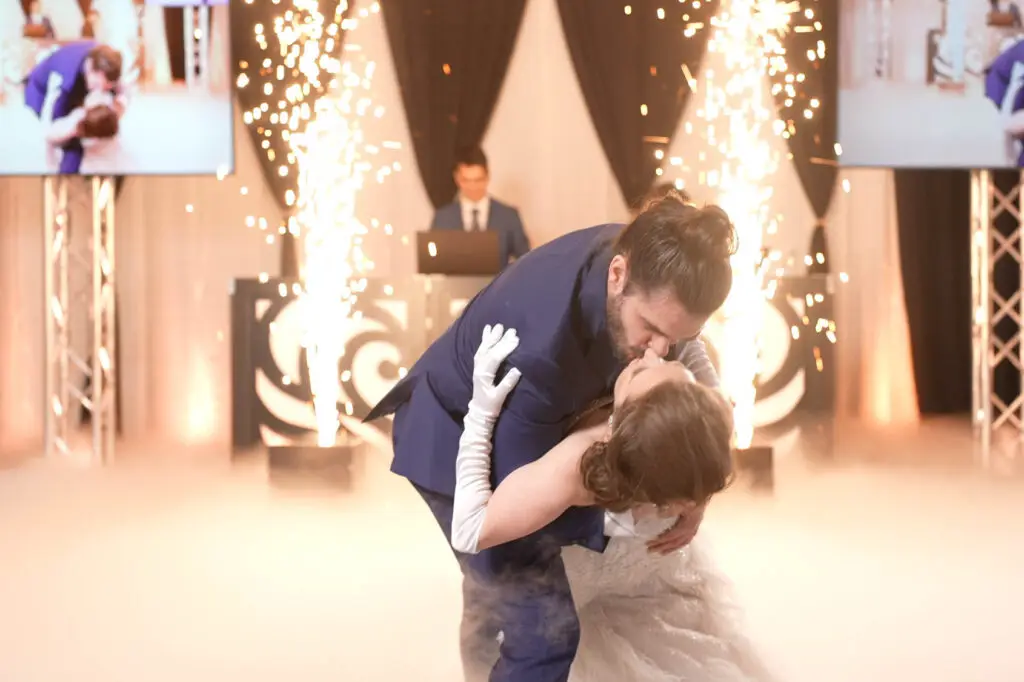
(115, 87)
(932, 83)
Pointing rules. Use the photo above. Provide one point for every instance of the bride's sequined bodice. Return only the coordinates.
(625, 568)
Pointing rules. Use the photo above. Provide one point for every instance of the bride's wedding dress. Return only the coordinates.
(652, 618)
(643, 617)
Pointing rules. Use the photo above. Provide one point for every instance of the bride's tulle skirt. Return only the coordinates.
(657, 619)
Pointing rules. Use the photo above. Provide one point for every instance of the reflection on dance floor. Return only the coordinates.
(167, 132)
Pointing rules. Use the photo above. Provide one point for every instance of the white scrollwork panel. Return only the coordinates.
(372, 364)
(371, 359)
(777, 356)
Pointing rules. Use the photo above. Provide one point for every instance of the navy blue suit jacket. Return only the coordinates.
(556, 298)
(501, 218)
(999, 76)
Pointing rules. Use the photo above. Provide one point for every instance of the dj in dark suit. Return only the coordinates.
(583, 305)
(475, 210)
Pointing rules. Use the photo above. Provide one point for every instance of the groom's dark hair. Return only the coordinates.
(107, 61)
(673, 245)
(659, 192)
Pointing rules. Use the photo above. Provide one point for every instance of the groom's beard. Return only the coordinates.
(617, 331)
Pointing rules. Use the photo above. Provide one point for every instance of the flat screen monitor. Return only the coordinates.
(931, 84)
(124, 88)
(457, 252)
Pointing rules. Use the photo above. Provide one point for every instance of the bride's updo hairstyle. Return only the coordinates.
(670, 444)
(674, 245)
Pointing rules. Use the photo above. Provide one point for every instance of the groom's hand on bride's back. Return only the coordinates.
(680, 534)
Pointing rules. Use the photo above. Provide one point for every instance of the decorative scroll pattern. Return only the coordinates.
(271, 396)
(797, 373)
(394, 324)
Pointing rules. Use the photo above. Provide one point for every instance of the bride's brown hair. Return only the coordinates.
(100, 122)
(670, 444)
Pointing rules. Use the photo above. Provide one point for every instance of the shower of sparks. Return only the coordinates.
(739, 117)
(333, 158)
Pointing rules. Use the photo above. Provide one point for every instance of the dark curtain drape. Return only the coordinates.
(249, 56)
(174, 29)
(934, 212)
(629, 67)
(813, 141)
(450, 57)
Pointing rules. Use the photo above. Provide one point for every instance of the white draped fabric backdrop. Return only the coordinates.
(181, 241)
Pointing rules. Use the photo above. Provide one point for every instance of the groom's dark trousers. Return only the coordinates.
(556, 297)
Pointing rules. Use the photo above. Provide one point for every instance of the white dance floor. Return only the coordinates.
(177, 566)
(165, 132)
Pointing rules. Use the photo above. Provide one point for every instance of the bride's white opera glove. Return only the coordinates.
(473, 463)
(495, 347)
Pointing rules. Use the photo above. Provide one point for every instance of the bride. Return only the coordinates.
(643, 616)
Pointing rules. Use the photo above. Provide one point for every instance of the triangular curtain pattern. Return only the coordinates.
(629, 65)
(451, 58)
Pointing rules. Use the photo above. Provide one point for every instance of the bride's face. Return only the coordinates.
(98, 98)
(645, 373)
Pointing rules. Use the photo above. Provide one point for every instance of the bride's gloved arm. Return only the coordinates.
(62, 130)
(472, 482)
(530, 497)
(473, 463)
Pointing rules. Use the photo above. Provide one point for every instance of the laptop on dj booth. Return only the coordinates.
(458, 253)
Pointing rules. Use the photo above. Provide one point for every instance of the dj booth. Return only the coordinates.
(395, 320)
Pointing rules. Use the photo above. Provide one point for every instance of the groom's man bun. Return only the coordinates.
(659, 192)
(674, 245)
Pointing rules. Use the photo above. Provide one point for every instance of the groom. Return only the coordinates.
(583, 304)
(1004, 86)
(63, 83)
